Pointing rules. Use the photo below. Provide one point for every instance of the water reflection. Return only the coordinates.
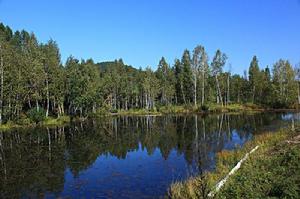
(120, 157)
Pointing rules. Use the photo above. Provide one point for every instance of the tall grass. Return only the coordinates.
(225, 161)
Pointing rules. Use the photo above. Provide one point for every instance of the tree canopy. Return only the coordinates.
(32, 75)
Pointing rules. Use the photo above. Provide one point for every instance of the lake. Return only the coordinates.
(121, 157)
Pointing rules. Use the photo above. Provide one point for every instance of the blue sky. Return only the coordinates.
(141, 31)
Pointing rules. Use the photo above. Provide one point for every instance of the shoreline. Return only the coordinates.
(172, 110)
(275, 143)
(49, 122)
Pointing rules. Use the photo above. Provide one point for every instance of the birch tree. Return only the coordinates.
(217, 65)
(199, 66)
(285, 84)
(297, 72)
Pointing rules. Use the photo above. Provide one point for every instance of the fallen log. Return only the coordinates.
(220, 184)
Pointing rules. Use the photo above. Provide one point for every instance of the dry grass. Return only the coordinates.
(225, 161)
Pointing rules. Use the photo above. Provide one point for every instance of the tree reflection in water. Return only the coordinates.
(34, 161)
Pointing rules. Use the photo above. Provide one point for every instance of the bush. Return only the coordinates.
(64, 119)
(23, 120)
(204, 108)
(57, 121)
(251, 105)
(100, 112)
(37, 115)
(279, 105)
(114, 111)
(10, 123)
(189, 107)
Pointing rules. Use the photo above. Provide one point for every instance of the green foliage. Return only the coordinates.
(275, 175)
(37, 114)
(187, 77)
(273, 172)
(204, 108)
(170, 109)
(33, 75)
(56, 121)
(114, 110)
(251, 106)
(23, 120)
(166, 80)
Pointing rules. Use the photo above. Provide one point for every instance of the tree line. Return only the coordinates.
(32, 76)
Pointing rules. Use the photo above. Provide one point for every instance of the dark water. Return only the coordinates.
(121, 157)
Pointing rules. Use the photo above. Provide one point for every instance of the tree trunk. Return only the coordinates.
(126, 104)
(196, 134)
(115, 100)
(298, 92)
(195, 90)
(146, 101)
(253, 94)
(183, 96)
(9, 104)
(153, 103)
(29, 103)
(62, 108)
(228, 89)
(136, 101)
(47, 93)
(59, 111)
(94, 108)
(203, 88)
(219, 90)
(2, 82)
(220, 184)
(37, 105)
(80, 112)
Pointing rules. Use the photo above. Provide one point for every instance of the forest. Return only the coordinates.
(34, 79)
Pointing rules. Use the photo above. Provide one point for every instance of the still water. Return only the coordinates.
(121, 157)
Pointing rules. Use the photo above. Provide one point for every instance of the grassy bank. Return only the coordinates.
(137, 112)
(50, 121)
(161, 110)
(189, 109)
(272, 171)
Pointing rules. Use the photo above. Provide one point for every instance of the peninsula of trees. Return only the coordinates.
(32, 77)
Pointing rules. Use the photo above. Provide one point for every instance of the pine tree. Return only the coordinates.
(166, 80)
(187, 77)
(254, 77)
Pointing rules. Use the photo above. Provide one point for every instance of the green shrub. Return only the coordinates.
(189, 107)
(280, 105)
(56, 121)
(100, 112)
(23, 120)
(251, 105)
(37, 115)
(64, 119)
(204, 108)
(166, 109)
(114, 110)
(10, 123)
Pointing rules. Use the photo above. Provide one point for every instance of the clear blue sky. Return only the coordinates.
(141, 31)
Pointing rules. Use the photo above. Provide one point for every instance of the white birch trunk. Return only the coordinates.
(237, 167)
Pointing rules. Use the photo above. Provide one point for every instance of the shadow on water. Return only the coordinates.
(125, 157)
